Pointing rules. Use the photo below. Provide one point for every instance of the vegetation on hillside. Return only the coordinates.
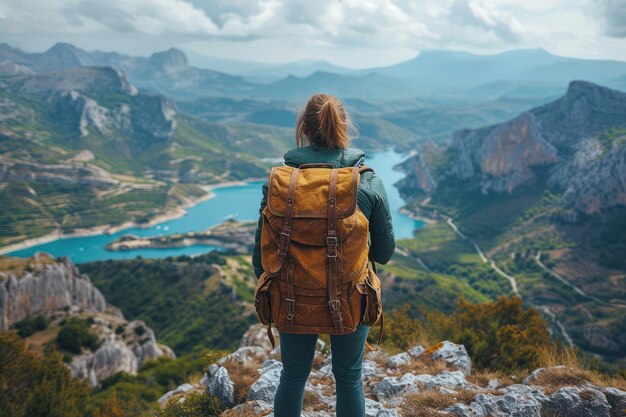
(191, 303)
(32, 385)
(498, 335)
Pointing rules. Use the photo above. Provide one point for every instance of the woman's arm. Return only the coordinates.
(256, 253)
(374, 204)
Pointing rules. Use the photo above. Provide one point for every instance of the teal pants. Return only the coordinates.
(297, 351)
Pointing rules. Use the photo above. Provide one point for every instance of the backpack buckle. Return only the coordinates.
(331, 243)
(334, 304)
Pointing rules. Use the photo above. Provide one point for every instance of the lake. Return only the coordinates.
(241, 202)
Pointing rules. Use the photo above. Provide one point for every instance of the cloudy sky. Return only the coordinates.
(353, 33)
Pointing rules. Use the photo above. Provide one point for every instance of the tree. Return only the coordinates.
(32, 385)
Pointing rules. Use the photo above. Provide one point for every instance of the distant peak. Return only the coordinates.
(578, 86)
(62, 46)
(170, 59)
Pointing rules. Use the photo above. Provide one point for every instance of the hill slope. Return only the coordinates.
(82, 147)
(543, 196)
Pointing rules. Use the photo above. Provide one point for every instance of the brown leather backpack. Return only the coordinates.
(314, 250)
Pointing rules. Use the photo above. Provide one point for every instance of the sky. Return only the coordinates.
(351, 33)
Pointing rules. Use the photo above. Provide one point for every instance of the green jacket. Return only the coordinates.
(371, 199)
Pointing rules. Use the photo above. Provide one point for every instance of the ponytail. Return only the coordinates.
(323, 122)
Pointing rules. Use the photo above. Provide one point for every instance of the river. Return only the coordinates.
(241, 202)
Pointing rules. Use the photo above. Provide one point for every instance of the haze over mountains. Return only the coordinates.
(436, 73)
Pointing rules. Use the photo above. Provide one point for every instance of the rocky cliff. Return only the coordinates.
(569, 136)
(433, 381)
(51, 286)
(57, 290)
(125, 347)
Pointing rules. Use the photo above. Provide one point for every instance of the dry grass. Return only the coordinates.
(18, 266)
(318, 361)
(548, 356)
(554, 378)
(245, 411)
(482, 378)
(423, 364)
(243, 376)
(426, 403)
(313, 402)
(574, 373)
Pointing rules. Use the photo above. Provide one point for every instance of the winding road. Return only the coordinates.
(545, 309)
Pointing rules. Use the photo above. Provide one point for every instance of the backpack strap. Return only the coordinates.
(332, 278)
(291, 295)
(365, 168)
(285, 235)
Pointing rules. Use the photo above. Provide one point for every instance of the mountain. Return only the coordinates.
(82, 147)
(540, 200)
(368, 86)
(523, 70)
(263, 72)
(53, 292)
(166, 72)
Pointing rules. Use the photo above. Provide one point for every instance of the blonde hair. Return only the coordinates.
(324, 122)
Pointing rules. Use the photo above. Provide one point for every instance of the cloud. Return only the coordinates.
(321, 28)
(614, 12)
(484, 17)
(324, 22)
(153, 17)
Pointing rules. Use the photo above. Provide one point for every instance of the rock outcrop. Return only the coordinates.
(125, 346)
(57, 289)
(571, 136)
(56, 286)
(400, 383)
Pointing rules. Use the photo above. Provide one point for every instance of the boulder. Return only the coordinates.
(264, 389)
(219, 384)
(453, 354)
(616, 399)
(180, 390)
(578, 402)
(445, 379)
(396, 361)
(392, 386)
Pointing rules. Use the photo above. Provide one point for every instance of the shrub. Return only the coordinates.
(196, 404)
(498, 335)
(75, 335)
(31, 325)
(32, 385)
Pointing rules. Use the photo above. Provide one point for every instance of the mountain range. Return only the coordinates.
(542, 196)
(433, 73)
(82, 147)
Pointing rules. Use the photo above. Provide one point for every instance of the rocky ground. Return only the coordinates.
(434, 381)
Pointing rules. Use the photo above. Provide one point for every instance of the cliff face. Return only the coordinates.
(123, 350)
(568, 135)
(57, 286)
(501, 157)
(56, 289)
(437, 380)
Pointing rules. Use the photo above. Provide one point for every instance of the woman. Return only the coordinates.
(322, 136)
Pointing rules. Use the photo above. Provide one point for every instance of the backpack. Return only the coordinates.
(315, 253)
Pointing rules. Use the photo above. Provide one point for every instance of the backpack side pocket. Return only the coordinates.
(262, 299)
(373, 299)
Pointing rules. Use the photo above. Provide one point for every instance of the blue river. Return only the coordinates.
(240, 202)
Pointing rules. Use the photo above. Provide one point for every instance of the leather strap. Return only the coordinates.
(285, 235)
(270, 335)
(365, 168)
(332, 278)
(291, 295)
